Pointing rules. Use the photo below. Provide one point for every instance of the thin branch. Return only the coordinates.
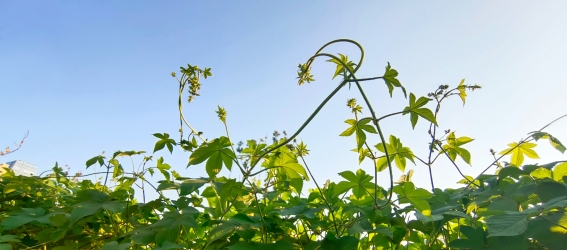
(181, 116)
(366, 79)
(18, 146)
(557, 224)
(388, 115)
(322, 195)
(455, 164)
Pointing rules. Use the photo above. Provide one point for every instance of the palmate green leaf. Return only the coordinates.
(221, 231)
(340, 68)
(172, 222)
(363, 153)
(144, 236)
(300, 211)
(113, 245)
(397, 152)
(549, 230)
(360, 183)
(358, 128)
(278, 245)
(254, 149)
(547, 190)
(555, 143)
(415, 110)
(287, 167)
(96, 201)
(462, 91)
(9, 238)
(428, 219)
(216, 153)
(391, 80)
(192, 185)
(229, 189)
(118, 169)
(28, 215)
(163, 142)
(506, 224)
(542, 173)
(518, 152)
(559, 171)
(503, 204)
(453, 147)
(476, 238)
(59, 219)
(98, 158)
(163, 167)
(343, 243)
(417, 197)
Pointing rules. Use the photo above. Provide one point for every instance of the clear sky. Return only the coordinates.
(92, 76)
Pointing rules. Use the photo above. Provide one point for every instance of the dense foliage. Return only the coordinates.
(267, 206)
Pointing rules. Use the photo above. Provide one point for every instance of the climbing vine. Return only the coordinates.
(267, 205)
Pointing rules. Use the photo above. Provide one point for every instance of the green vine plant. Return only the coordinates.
(266, 206)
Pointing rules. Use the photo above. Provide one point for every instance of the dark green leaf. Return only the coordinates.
(113, 245)
(164, 141)
(92, 161)
(506, 224)
(28, 215)
(550, 190)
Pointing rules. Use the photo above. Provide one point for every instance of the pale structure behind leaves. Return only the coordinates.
(19, 168)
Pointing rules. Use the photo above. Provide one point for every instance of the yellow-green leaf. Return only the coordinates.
(518, 151)
(462, 91)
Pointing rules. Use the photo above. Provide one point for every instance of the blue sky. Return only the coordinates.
(94, 76)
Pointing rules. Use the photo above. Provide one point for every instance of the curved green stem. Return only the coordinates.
(292, 137)
(342, 84)
(181, 116)
(375, 121)
(367, 79)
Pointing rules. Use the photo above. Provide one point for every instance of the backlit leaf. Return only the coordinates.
(518, 152)
(397, 152)
(217, 153)
(391, 80)
(453, 147)
(462, 91)
(415, 110)
(358, 128)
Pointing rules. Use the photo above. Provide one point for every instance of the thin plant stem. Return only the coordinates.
(181, 116)
(322, 195)
(552, 222)
(455, 164)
